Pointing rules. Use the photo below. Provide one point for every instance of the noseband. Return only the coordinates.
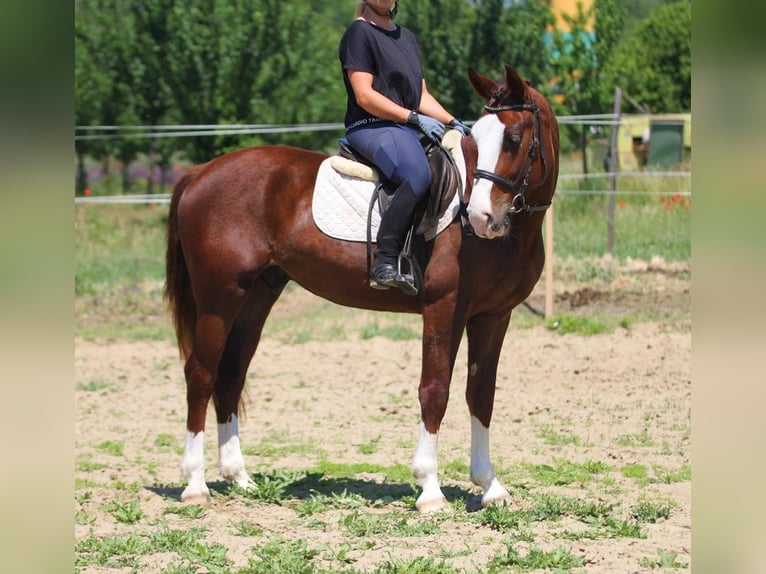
(520, 185)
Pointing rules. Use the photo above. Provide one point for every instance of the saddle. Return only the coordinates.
(445, 178)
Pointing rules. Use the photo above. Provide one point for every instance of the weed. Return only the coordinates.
(502, 518)
(564, 472)
(113, 447)
(370, 447)
(395, 473)
(360, 524)
(647, 511)
(418, 565)
(282, 556)
(669, 476)
(191, 511)
(393, 332)
(126, 512)
(641, 439)
(244, 528)
(269, 487)
(88, 466)
(166, 442)
(636, 471)
(92, 386)
(559, 559)
(568, 324)
(664, 560)
(83, 518)
(111, 551)
(554, 438)
(177, 568)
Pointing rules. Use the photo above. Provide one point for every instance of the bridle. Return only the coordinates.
(520, 185)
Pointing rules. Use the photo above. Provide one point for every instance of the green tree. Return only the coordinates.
(653, 64)
(511, 33)
(443, 29)
(578, 59)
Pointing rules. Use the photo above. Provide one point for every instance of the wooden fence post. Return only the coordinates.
(613, 166)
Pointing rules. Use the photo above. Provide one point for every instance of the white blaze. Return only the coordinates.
(488, 133)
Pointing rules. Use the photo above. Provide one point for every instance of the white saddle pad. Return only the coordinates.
(342, 200)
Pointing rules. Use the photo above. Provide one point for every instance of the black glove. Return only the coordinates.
(456, 124)
(431, 127)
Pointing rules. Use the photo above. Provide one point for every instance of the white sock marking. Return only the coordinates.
(482, 473)
(193, 467)
(230, 461)
(425, 468)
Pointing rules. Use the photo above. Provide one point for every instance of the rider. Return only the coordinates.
(388, 108)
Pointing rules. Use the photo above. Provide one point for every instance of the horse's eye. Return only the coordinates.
(511, 140)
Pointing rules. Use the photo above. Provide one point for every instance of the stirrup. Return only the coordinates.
(406, 281)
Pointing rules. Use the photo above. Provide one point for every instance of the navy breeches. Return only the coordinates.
(396, 150)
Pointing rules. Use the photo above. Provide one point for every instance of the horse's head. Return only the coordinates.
(517, 143)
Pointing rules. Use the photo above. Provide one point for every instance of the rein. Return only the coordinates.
(520, 185)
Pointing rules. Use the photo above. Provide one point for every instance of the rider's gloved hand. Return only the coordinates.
(458, 125)
(431, 127)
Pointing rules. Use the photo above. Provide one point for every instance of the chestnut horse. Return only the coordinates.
(240, 227)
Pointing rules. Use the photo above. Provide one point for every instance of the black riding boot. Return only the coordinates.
(394, 224)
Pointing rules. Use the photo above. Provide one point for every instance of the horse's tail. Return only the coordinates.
(178, 292)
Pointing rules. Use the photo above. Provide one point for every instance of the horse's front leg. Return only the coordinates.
(485, 341)
(441, 338)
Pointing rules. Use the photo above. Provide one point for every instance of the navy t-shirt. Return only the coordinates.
(392, 57)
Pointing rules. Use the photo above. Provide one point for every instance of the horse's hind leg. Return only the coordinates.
(485, 341)
(240, 347)
(201, 369)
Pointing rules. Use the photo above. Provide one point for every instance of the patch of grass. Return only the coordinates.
(245, 528)
(669, 476)
(586, 326)
(322, 502)
(191, 511)
(502, 518)
(166, 442)
(278, 444)
(558, 560)
(641, 439)
(93, 386)
(269, 488)
(83, 518)
(564, 472)
(279, 555)
(111, 551)
(455, 469)
(370, 447)
(648, 511)
(636, 471)
(394, 332)
(417, 565)
(361, 524)
(552, 437)
(179, 568)
(664, 560)
(113, 447)
(394, 473)
(88, 466)
(125, 512)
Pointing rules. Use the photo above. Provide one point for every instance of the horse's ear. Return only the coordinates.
(482, 85)
(516, 85)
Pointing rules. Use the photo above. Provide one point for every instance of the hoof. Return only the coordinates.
(201, 498)
(496, 499)
(433, 505)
